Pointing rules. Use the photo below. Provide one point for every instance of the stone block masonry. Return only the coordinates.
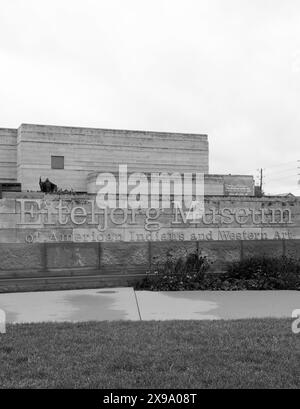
(44, 236)
(8, 155)
(87, 150)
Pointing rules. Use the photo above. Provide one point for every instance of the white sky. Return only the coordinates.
(228, 68)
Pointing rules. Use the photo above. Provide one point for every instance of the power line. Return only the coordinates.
(282, 171)
(283, 164)
(291, 175)
(294, 162)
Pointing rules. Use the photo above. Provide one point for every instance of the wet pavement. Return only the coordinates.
(207, 305)
(126, 304)
(74, 305)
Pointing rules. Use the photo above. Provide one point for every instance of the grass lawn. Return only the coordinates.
(258, 353)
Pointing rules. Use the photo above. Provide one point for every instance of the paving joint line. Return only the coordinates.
(137, 304)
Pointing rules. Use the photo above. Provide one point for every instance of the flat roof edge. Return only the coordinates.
(113, 130)
(9, 129)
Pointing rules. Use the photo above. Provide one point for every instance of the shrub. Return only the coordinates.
(176, 274)
(192, 273)
(266, 273)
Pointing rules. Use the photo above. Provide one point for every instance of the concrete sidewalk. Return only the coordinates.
(74, 305)
(211, 305)
(126, 304)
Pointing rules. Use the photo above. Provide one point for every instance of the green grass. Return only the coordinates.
(172, 354)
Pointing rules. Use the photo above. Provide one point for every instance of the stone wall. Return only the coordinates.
(50, 235)
(124, 258)
(49, 218)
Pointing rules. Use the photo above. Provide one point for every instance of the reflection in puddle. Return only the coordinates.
(106, 292)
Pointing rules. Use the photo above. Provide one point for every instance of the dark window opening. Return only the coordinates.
(57, 162)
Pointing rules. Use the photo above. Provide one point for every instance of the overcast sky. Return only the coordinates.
(228, 68)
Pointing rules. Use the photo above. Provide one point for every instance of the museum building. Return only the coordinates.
(64, 241)
(71, 157)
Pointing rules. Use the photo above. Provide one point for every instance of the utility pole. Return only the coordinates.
(258, 188)
(261, 179)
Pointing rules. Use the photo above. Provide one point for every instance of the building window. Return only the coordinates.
(57, 162)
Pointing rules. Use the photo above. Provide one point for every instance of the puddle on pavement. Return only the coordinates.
(88, 308)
